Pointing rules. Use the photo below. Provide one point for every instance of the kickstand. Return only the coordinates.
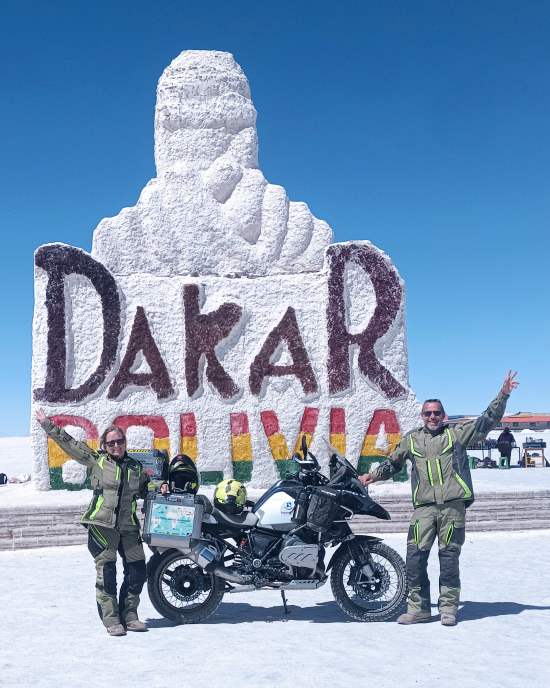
(287, 611)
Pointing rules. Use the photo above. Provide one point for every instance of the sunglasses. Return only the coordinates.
(427, 414)
(115, 443)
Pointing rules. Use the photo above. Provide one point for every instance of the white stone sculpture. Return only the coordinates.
(215, 313)
(210, 210)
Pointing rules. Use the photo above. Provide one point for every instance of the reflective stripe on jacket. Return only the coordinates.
(116, 484)
(440, 478)
(440, 471)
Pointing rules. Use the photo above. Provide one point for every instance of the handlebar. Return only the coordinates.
(309, 462)
(357, 483)
(310, 467)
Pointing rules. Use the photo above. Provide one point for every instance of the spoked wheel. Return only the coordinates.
(379, 599)
(180, 590)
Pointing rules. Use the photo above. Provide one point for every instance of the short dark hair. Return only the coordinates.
(111, 428)
(434, 401)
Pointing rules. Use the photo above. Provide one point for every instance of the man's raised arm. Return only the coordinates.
(478, 429)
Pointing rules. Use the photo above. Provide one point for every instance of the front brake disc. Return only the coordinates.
(369, 589)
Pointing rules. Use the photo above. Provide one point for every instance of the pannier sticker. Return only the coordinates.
(172, 519)
(287, 507)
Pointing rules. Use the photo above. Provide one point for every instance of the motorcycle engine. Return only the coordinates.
(247, 560)
(297, 553)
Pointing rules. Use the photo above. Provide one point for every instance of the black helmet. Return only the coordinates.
(183, 474)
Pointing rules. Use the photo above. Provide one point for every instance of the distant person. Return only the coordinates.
(117, 481)
(441, 490)
(505, 442)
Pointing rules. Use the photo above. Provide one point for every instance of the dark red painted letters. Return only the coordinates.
(141, 339)
(203, 332)
(59, 261)
(286, 331)
(388, 300)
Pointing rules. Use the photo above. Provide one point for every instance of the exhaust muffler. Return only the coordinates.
(205, 556)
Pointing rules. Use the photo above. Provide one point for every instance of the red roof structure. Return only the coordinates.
(526, 419)
(517, 421)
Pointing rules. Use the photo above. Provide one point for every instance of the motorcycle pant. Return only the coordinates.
(447, 522)
(103, 544)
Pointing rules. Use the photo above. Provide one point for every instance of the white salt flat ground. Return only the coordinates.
(51, 637)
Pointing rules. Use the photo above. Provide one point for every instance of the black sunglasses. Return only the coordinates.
(431, 413)
(115, 443)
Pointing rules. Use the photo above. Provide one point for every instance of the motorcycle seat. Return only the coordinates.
(245, 520)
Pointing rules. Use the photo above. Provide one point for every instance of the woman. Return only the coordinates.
(117, 481)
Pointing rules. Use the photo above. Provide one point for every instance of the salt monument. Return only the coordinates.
(215, 317)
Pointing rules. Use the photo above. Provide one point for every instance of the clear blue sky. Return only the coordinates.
(422, 126)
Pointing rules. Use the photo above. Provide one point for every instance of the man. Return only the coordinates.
(505, 442)
(441, 490)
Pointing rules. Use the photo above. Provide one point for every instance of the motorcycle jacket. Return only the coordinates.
(440, 472)
(116, 484)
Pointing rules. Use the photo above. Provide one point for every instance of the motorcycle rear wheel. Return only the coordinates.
(180, 590)
(382, 601)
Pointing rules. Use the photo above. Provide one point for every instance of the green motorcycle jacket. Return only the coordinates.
(116, 484)
(440, 472)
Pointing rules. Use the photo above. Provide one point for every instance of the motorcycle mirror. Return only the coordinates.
(304, 446)
(334, 453)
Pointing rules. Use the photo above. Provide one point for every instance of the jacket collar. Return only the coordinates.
(440, 430)
(124, 458)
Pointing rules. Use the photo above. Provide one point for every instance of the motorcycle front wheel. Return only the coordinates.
(380, 600)
(180, 590)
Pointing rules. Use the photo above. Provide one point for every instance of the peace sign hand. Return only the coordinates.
(509, 383)
(40, 415)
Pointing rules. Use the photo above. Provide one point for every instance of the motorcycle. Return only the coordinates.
(279, 543)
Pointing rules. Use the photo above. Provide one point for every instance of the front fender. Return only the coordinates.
(357, 545)
(371, 508)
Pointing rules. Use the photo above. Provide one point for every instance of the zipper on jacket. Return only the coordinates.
(120, 473)
(430, 476)
(439, 472)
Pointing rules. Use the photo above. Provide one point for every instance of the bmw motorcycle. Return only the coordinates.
(279, 544)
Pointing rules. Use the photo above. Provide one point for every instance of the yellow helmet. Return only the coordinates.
(230, 496)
